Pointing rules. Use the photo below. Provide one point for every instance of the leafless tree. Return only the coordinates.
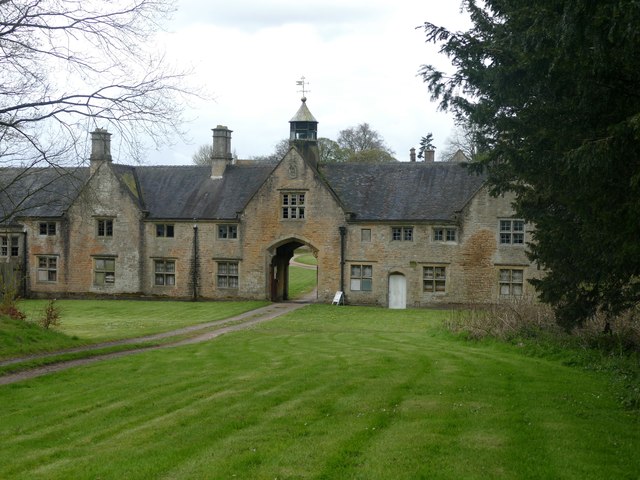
(68, 66)
(204, 155)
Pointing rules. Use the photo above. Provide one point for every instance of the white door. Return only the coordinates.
(397, 291)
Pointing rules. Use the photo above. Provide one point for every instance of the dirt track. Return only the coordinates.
(238, 322)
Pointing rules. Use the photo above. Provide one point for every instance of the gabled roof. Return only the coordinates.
(38, 192)
(403, 191)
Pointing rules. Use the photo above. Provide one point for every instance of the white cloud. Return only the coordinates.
(361, 59)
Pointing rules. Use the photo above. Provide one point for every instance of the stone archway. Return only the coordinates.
(278, 280)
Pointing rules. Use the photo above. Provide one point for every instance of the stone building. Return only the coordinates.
(399, 234)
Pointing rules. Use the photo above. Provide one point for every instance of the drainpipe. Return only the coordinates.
(24, 264)
(343, 234)
(194, 267)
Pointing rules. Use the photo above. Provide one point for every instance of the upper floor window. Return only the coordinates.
(361, 278)
(165, 272)
(47, 269)
(511, 232)
(511, 282)
(293, 205)
(227, 231)
(105, 227)
(434, 279)
(365, 235)
(402, 233)
(9, 245)
(164, 230)
(47, 228)
(445, 235)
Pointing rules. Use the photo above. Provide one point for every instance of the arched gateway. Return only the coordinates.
(278, 274)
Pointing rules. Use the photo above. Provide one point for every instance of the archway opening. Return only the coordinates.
(288, 278)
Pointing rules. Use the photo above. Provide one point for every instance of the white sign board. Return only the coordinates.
(338, 298)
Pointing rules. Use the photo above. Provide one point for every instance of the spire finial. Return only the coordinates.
(303, 83)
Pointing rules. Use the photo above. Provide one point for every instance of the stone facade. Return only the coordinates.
(402, 235)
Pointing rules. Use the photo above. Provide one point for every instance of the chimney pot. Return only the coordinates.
(412, 154)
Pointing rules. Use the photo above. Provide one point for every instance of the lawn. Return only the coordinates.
(325, 393)
(301, 281)
(93, 321)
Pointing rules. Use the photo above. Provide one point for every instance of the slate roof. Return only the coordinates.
(38, 192)
(187, 192)
(303, 114)
(403, 191)
(386, 192)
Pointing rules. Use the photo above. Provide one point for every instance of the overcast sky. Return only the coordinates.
(360, 57)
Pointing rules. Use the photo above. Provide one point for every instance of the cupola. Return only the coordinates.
(303, 125)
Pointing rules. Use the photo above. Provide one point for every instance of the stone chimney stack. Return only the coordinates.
(429, 156)
(221, 150)
(100, 148)
(412, 154)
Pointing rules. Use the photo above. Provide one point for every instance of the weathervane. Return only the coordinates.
(303, 83)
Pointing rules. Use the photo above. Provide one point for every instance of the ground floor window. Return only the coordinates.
(511, 282)
(47, 269)
(434, 279)
(361, 278)
(227, 276)
(104, 271)
(165, 272)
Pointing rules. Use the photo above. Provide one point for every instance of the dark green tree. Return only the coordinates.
(552, 93)
(426, 144)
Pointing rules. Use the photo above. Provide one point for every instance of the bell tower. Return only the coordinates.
(304, 131)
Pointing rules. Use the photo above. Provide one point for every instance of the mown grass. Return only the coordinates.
(325, 392)
(301, 281)
(85, 322)
(307, 259)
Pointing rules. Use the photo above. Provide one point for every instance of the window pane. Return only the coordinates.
(504, 289)
(171, 279)
(159, 279)
(367, 271)
(53, 262)
(366, 284)
(159, 266)
(222, 281)
(408, 234)
(109, 278)
(505, 238)
(233, 282)
(160, 230)
(170, 267)
(42, 262)
(428, 273)
(99, 264)
(428, 286)
(516, 289)
(516, 276)
(518, 238)
(518, 226)
(300, 212)
(355, 284)
(355, 271)
(233, 269)
(233, 231)
(301, 199)
(440, 273)
(440, 286)
(53, 276)
(43, 229)
(505, 225)
(222, 268)
(110, 265)
(505, 275)
(169, 229)
(100, 278)
(42, 275)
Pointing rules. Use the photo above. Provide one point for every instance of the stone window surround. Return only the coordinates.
(361, 277)
(434, 278)
(445, 234)
(104, 226)
(47, 268)
(227, 231)
(9, 245)
(293, 204)
(47, 228)
(164, 272)
(404, 234)
(511, 231)
(227, 274)
(104, 266)
(165, 230)
(511, 281)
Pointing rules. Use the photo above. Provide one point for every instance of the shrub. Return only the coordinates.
(51, 315)
(9, 305)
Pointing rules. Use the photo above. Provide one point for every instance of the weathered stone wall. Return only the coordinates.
(263, 229)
